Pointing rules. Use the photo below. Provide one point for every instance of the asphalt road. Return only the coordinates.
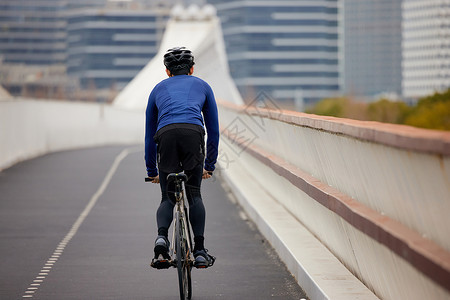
(81, 225)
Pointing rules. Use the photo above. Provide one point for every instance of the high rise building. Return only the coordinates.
(287, 49)
(32, 32)
(99, 43)
(108, 46)
(426, 47)
(372, 47)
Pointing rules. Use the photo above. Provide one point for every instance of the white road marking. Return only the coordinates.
(73, 230)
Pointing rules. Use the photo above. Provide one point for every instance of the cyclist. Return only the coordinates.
(175, 142)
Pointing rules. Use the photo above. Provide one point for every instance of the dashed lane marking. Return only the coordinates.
(33, 287)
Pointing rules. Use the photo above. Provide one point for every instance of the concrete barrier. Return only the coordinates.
(29, 128)
(356, 209)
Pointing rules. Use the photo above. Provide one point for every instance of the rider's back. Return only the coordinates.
(181, 99)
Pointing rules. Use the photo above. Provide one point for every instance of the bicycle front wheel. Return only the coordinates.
(183, 264)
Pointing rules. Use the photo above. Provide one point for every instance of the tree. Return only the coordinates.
(431, 112)
(341, 108)
(388, 111)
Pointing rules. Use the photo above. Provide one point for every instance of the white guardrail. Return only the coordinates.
(375, 196)
(29, 128)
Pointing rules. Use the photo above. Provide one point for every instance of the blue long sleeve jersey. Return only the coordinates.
(181, 99)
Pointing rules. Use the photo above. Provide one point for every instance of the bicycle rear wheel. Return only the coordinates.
(183, 264)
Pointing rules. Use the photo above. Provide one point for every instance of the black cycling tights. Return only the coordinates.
(197, 213)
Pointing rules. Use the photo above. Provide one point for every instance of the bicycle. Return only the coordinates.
(181, 238)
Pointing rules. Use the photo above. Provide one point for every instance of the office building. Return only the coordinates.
(287, 49)
(100, 44)
(426, 47)
(372, 48)
(32, 32)
(108, 46)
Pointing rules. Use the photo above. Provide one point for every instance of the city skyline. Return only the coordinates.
(294, 51)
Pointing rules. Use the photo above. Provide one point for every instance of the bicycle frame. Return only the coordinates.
(181, 210)
(181, 238)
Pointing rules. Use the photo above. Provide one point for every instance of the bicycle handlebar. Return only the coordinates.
(170, 177)
(174, 176)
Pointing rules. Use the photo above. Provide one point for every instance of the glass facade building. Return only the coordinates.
(108, 46)
(99, 43)
(426, 47)
(32, 32)
(372, 47)
(287, 49)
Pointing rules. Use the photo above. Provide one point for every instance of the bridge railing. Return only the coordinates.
(29, 128)
(376, 195)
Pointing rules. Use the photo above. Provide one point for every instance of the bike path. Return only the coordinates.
(106, 255)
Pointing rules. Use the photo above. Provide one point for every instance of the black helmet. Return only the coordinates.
(178, 58)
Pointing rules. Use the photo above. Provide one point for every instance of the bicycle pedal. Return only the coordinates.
(201, 267)
(160, 264)
(211, 261)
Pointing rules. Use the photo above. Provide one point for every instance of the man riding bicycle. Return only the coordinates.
(175, 142)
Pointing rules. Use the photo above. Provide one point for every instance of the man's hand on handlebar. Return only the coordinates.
(207, 174)
(152, 179)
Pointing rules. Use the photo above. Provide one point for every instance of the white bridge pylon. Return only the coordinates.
(199, 30)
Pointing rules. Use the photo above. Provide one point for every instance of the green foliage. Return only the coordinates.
(341, 108)
(388, 111)
(330, 107)
(432, 112)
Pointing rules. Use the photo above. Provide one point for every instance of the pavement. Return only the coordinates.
(81, 224)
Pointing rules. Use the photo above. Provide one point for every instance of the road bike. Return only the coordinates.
(181, 246)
